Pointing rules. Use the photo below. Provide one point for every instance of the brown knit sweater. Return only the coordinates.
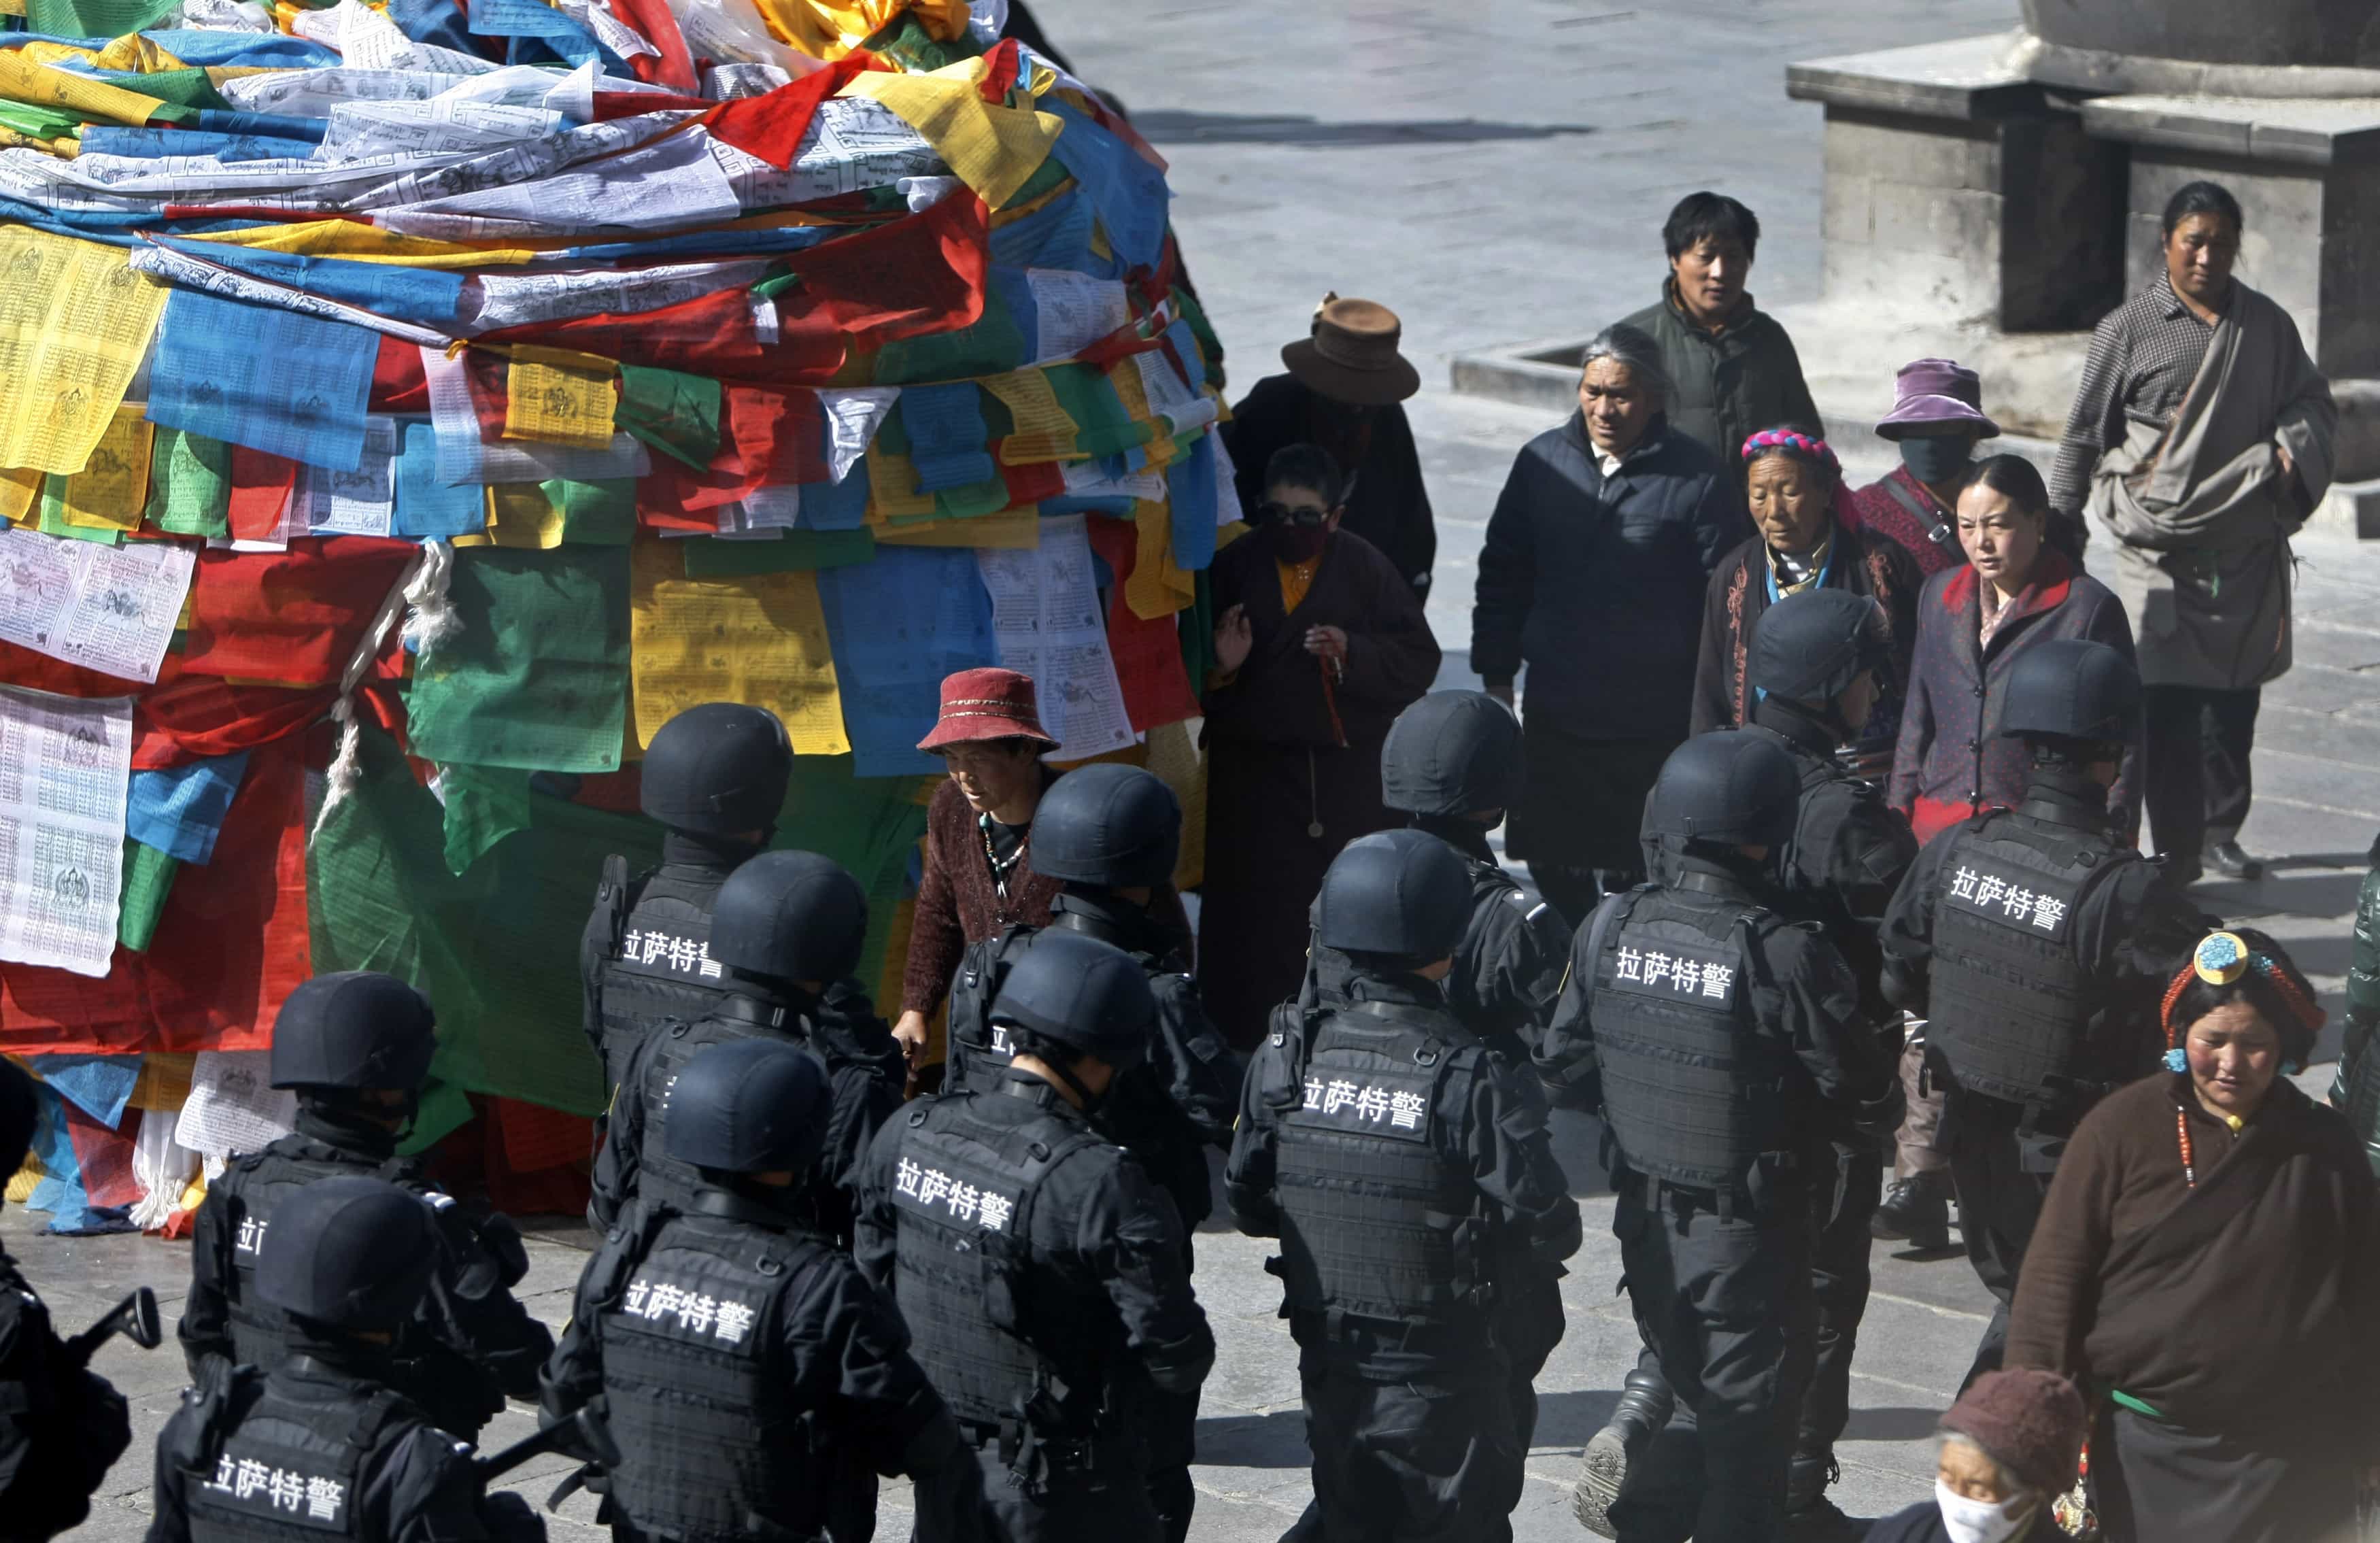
(2250, 1305)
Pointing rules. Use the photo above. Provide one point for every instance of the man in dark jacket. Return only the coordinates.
(1593, 574)
(1345, 392)
(60, 1427)
(1731, 368)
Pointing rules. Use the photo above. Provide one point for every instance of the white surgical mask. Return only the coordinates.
(1980, 1521)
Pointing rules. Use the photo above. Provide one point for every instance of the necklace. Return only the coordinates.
(1000, 867)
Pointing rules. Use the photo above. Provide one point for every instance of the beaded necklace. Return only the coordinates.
(1000, 867)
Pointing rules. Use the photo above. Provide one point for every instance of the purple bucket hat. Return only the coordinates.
(1936, 391)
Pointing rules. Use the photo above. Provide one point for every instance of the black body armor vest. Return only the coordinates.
(272, 1468)
(1375, 1218)
(663, 1180)
(1691, 1093)
(654, 965)
(2011, 1003)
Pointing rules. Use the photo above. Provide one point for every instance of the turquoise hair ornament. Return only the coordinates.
(2220, 958)
(2176, 1060)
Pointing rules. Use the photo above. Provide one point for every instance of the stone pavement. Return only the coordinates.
(1499, 170)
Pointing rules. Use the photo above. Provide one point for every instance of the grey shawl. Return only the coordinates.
(2202, 512)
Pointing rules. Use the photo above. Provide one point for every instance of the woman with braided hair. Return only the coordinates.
(2205, 1265)
(1809, 536)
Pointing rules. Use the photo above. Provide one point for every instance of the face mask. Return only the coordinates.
(1936, 458)
(1299, 543)
(1979, 1520)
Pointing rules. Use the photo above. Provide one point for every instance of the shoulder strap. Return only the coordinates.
(1929, 520)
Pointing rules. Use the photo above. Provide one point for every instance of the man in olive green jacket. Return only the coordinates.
(1732, 371)
(2357, 1093)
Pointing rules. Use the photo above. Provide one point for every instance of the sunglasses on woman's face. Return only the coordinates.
(1284, 514)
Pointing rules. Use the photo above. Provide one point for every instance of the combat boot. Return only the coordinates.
(1810, 1516)
(1644, 1406)
(1916, 1209)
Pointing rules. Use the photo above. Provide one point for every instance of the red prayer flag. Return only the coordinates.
(104, 1155)
(260, 486)
(38, 672)
(292, 615)
(770, 126)
(399, 385)
(1147, 650)
(1000, 67)
(674, 68)
(194, 717)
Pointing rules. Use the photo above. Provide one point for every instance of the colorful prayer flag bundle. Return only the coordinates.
(407, 407)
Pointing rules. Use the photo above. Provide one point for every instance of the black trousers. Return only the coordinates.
(2002, 1176)
(1401, 1457)
(1110, 1502)
(2159, 1483)
(1528, 1325)
(1726, 1304)
(1172, 1432)
(1839, 1277)
(2194, 773)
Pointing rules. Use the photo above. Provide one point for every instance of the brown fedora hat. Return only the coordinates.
(1353, 355)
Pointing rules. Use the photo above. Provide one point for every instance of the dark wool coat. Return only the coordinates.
(1739, 593)
(1881, 514)
(1388, 506)
(1952, 762)
(1277, 766)
(1597, 582)
(1728, 385)
(957, 901)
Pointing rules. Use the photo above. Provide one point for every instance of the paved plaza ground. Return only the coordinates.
(1497, 171)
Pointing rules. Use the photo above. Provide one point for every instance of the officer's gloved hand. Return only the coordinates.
(509, 1519)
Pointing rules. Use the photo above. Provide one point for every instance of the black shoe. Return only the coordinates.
(2225, 859)
(1821, 1521)
(1916, 1209)
(1646, 1404)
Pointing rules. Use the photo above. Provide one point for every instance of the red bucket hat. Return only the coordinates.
(987, 704)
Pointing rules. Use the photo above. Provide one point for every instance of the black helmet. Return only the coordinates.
(1084, 994)
(358, 1028)
(352, 1251)
(1404, 893)
(1116, 826)
(718, 769)
(1452, 752)
(749, 1106)
(1810, 647)
(793, 916)
(1730, 788)
(2072, 689)
(20, 1111)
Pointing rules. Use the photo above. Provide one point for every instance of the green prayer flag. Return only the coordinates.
(190, 484)
(967, 501)
(595, 514)
(148, 879)
(793, 551)
(93, 18)
(42, 122)
(183, 87)
(54, 516)
(484, 805)
(1103, 426)
(675, 413)
(537, 675)
(991, 344)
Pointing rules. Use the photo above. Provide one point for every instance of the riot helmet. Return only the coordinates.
(1397, 894)
(789, 915)
(357, 1029)
(2072, 689)
(718, 769)
(351, 1251)
(1809, 647)
(1730, 788)
(20, 1111)
(749, 1106)
(1451, 753)
(1114, 826)
(1079, 993)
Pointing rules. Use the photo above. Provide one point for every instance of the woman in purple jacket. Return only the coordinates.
(1973, 622)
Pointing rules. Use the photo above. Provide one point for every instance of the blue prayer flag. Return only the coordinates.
(273, 380)
(180, 811)
(898, 626)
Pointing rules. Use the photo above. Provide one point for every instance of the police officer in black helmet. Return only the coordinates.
(715, 775)
(356, 1047)
(1714, 1036)
(322, 1445)
(60, 1425)
(1407, 1170)
(755, 1382)
(1817, 657)
(2036, 945)
(1111, 834)
(786, 926)
(1039, 1268)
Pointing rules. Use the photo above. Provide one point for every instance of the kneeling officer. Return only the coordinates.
(321, 1446)
(754, 1381)
(1714, 1036)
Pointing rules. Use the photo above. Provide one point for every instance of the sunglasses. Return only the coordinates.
(1282, 514)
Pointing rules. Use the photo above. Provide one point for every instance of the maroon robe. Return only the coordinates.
(1279, 764)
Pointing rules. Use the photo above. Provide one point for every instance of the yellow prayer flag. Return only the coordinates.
(1011, 529)
(759, 638)
(993, 149)
(559, 396)
(366, 243)
(825, 29)
(1043, 432)
(519, 515)
(892, 488)
(112, 489)
(17, 489)
(63, 149)
(75, 321)
(133, 52)
(23, 80)
(1157, 588)
(165, 1080)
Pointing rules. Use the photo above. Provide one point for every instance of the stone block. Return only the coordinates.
(1936, 152)
(1911, 217)
(1847, 211)
(2062, 241)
